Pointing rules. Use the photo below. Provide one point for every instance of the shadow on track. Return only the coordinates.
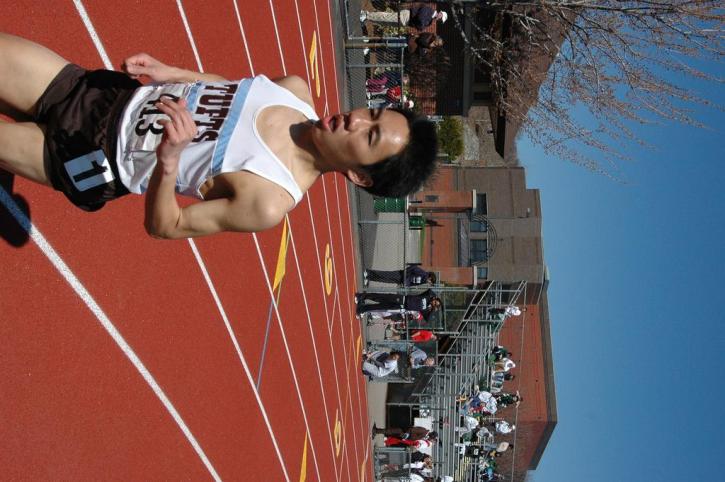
(11, 230)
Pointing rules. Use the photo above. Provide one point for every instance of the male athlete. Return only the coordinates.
(247, 149)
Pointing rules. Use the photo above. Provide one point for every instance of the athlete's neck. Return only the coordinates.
(308, 156)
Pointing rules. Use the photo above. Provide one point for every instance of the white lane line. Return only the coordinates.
(276, 34)
(351, 317)
(107, 63)
(266, 275)
(322, 56)
(240, 354)
(92, 32)
(302, 43)
(329, 228)
(313, 336)
(188, 32)
(319, 261)
(332, 40)
(212, 289)
(361, 381)
(342, 322)
(110, 328)
(284, 69)
(314, 344)
(244, 37)
(289, 354)
(347, 380)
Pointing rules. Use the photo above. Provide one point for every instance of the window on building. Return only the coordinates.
(481, 273)
(482, 96)
(479, 250)
(479, 225)
(431, 198)
(481, 206)
(481, 75)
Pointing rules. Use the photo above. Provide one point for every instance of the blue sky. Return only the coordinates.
(638, 324)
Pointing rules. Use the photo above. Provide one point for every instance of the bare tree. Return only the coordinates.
(627, 62)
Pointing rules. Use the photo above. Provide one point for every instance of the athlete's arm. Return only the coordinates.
(248, 212)
(162, 209)
(143, 64)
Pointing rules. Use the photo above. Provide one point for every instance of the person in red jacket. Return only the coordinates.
(420, 336)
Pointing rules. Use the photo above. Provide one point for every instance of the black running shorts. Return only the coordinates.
(81, 110)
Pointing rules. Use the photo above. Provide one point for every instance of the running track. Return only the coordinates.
(231, 357)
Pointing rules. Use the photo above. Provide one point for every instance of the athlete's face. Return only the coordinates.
(361, 137)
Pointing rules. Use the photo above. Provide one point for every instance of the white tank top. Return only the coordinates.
(227, 139)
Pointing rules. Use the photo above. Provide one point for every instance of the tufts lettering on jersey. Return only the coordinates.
(212, 109)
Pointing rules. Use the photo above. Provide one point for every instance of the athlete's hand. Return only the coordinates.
(179, 131)
(143, 64)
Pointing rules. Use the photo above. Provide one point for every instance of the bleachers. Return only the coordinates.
(463, 367)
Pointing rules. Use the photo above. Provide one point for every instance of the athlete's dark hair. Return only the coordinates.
(405, 173)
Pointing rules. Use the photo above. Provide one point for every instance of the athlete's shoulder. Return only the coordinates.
(297, 85)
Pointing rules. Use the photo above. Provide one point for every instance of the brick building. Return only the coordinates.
(483, 224)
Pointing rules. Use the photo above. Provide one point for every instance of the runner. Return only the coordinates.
(247, 149)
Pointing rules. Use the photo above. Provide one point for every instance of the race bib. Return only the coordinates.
(89, 171)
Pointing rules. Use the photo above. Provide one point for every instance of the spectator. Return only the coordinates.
(421, 457)
(483, 401)
(500, 448)
(418, 17)
(506, 399)
(469, 424)
(399, 442)
(412, 433)
(398, 317)
(423, 43)
(500, 352)
(419, 359)
(413, 275)
(426, 302)
(504, 365)
(498, 379)
(421, 336)
(379, 364)
(503, 427)
(505, 312)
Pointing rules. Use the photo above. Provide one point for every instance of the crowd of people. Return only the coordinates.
(477, 431)
(405, 316)
(419, 467)
(388, 88)
(399, 312)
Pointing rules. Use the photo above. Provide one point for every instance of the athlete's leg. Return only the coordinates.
(21, 150)
(26, 69)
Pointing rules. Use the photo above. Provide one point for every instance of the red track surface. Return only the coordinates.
(72, 404)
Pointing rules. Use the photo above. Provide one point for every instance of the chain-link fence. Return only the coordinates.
(374, 58)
